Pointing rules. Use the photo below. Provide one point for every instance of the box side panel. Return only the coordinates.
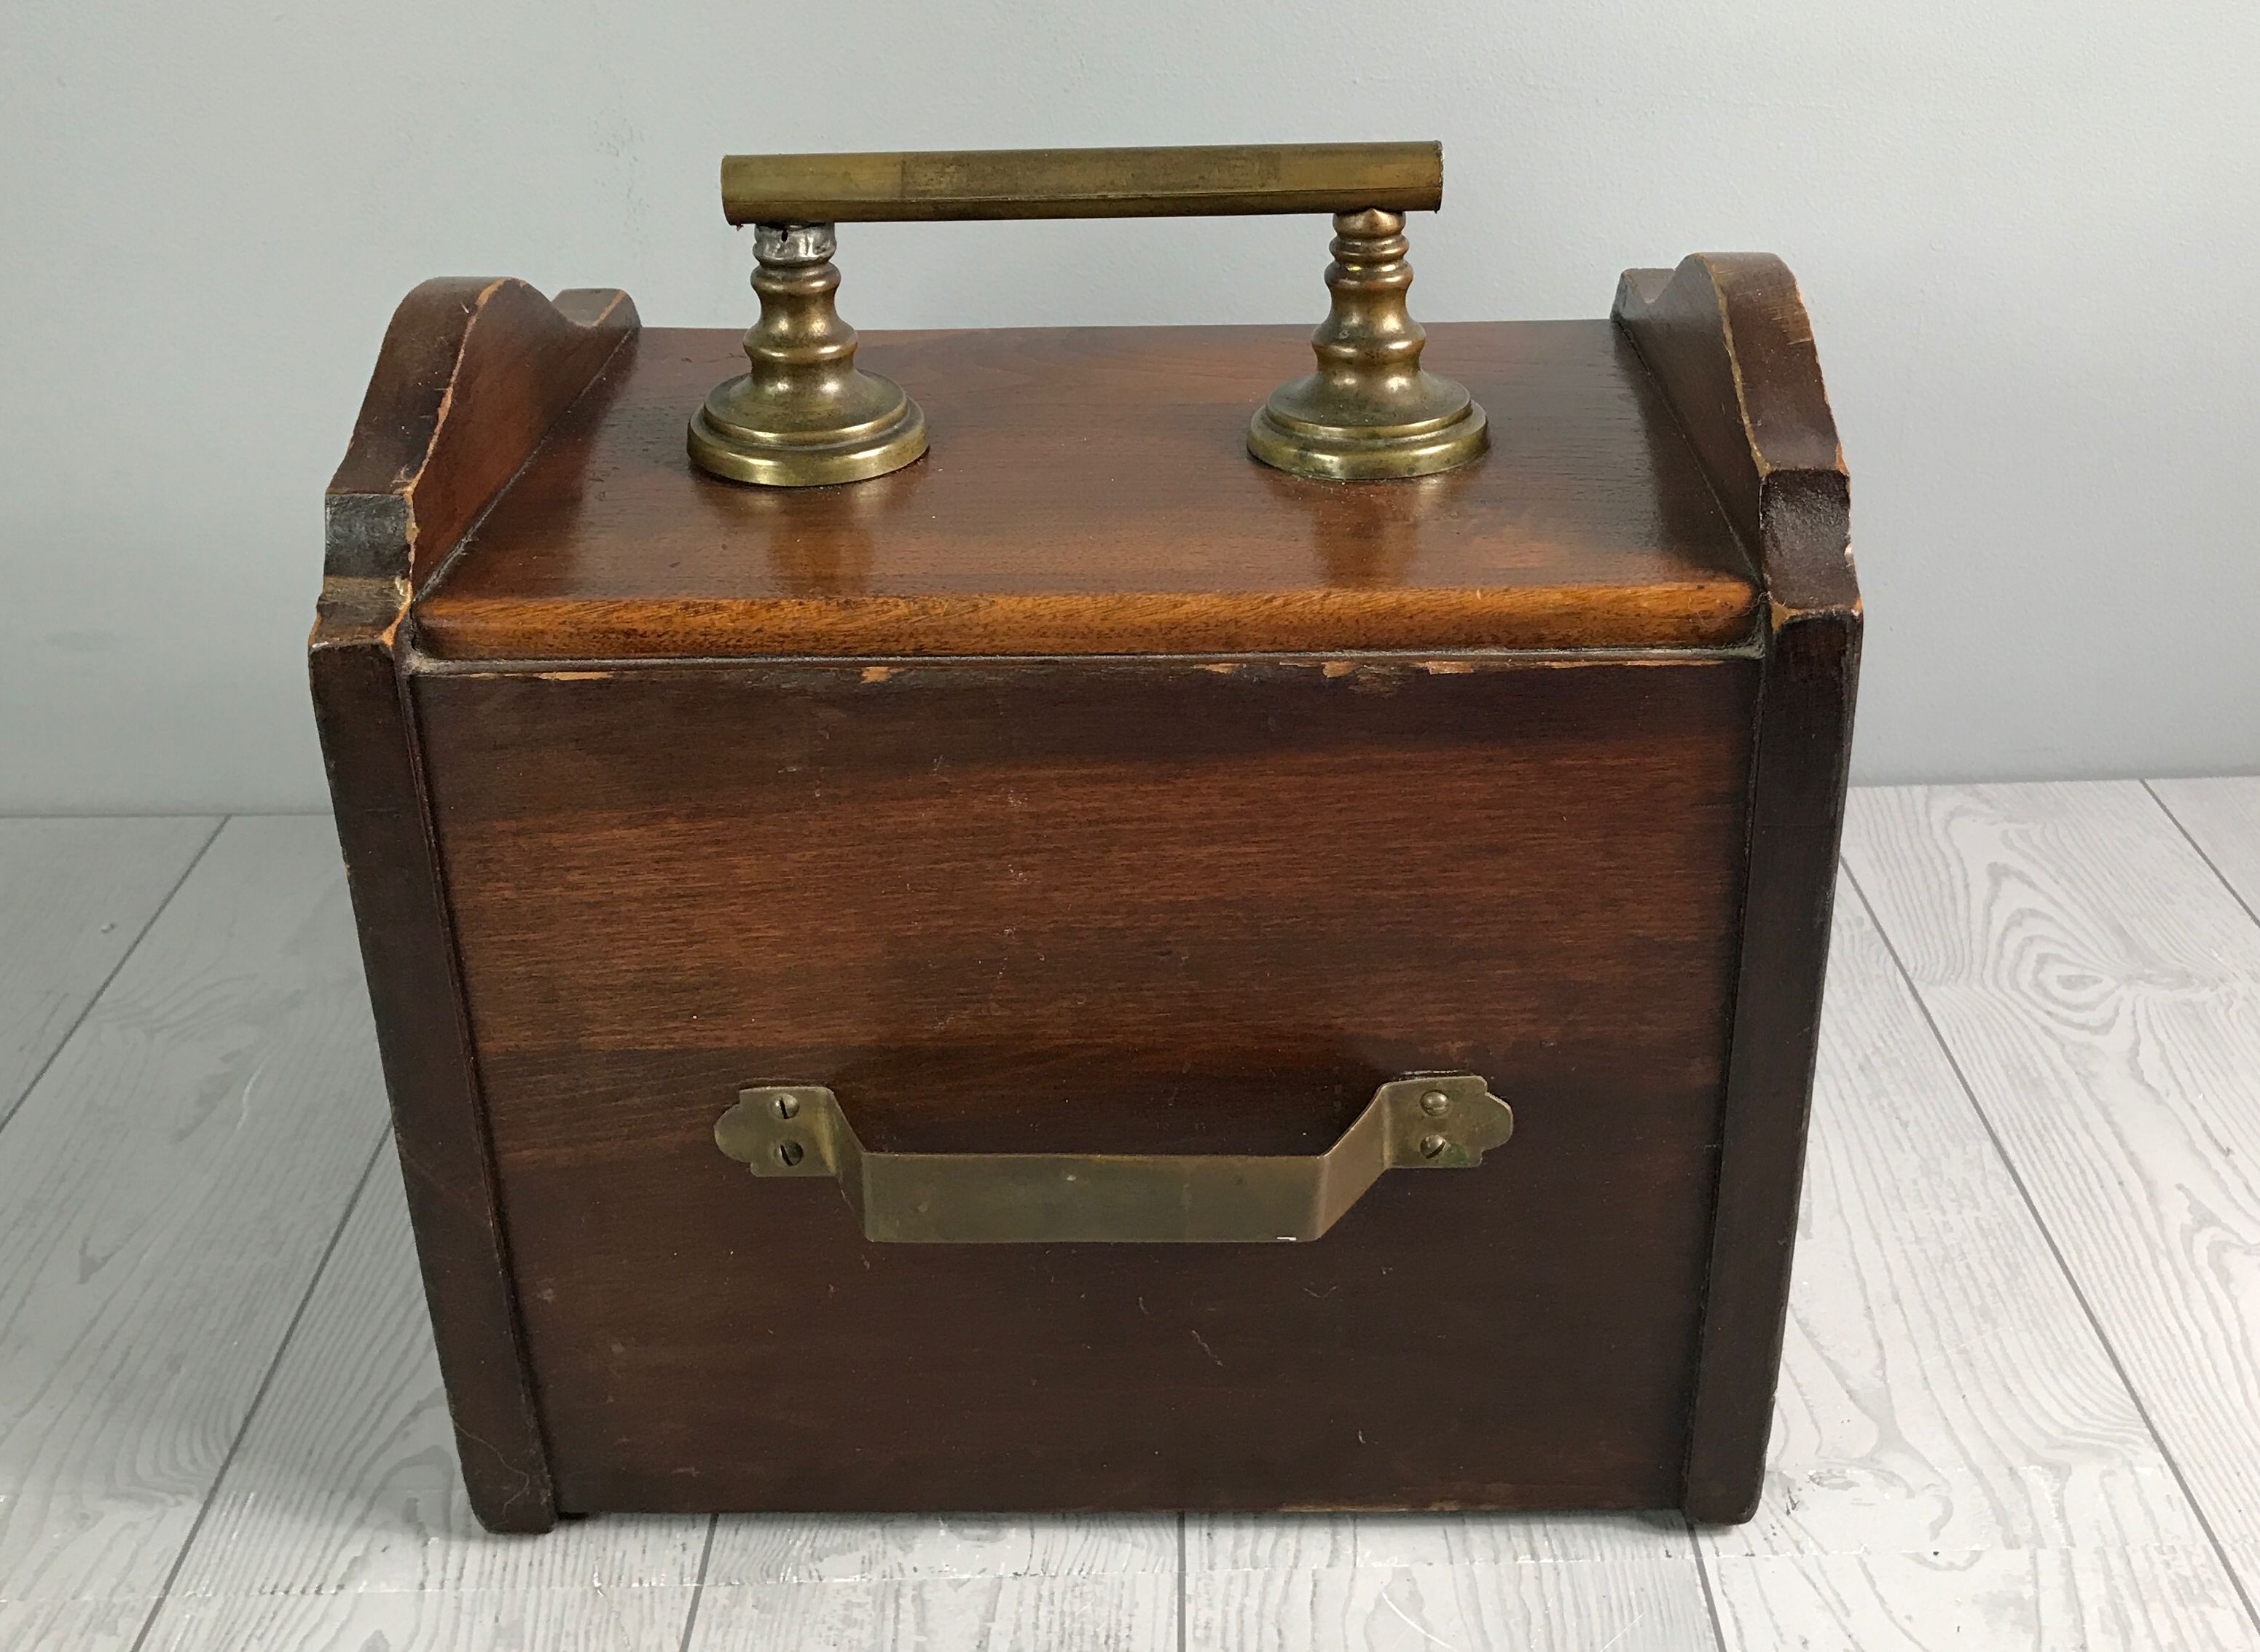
(1729, 341)
(1160, 905)
(423, 1039)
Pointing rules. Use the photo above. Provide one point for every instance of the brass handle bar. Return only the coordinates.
(1189, 182)
(1429, 1121)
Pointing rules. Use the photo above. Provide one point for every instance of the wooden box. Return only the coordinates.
(1087, 788)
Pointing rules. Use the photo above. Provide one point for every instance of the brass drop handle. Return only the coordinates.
(1430, 1121)
(805, 415)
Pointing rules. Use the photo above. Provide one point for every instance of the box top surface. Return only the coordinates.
(1088, 491)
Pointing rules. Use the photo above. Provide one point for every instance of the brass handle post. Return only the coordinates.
(1371, 411)
(806, 415)
(1429, 1121)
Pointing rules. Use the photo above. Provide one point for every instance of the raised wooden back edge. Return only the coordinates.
(1727, 338)
(472, 374)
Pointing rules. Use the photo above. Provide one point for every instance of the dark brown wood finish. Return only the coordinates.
(472, 374)
(1161, 905)
(1087, 492)
(1089, 786)
(1727, 338)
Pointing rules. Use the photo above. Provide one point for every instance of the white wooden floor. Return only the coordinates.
(2021, 1406)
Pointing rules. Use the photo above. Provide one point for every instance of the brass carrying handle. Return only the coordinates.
(1192, 181)
(806, 415)
(1435, 1121)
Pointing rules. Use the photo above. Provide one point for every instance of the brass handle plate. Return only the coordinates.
(1430, 1121)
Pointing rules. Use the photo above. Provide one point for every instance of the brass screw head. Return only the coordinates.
(1435, 1104)
(788, 1106)
(789, 1153)
(1431, 1146)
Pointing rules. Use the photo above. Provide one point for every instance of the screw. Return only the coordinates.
(1435, 1104)
(1431, 1146)
(787, 1153)
(788, 1106)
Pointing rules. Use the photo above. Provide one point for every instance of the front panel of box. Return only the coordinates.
(1161, 905)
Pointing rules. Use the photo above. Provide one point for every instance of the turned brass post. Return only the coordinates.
(1370, 411)
(805, 415)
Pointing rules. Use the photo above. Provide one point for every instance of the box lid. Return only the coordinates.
(1088, 491)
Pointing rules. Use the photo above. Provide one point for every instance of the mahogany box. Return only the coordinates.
(1087, 795)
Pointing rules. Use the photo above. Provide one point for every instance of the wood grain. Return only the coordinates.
(1624, 1604)
(166, 1192)
(1148, 908)
(1470, 1581)
(2102, 1598)
(106, 1623)
(431, 1077)
(1729, 340)
(2221, 816)
(588, 1620)
(1252, 858)
(1943, 1388)
(472, 374)
(74, 895)
(776, 1549)
(1087, 492)
(786, 1582)
(1956, 1458)
(1135, 1613)
(2099, 990)
(346, 1480)
(1258, 1543)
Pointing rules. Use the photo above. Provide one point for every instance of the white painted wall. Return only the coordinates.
(2026, 232)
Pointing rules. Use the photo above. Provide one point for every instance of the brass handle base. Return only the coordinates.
(1369, 412)
(806, 416)
(1430, 1121)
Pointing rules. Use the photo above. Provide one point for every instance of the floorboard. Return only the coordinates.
(784, 1582)
(1955, 1459)
(2221, 818)
(1473, 1581)
(69, 1625)
(74, 896)
(594, 1618)
(346, 1484)
(776, 1549)
(167, 1190)
(2010, 1600)
(1125, 1613)
(1628, 1604)
(1254, 1542)
(2098, 988)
